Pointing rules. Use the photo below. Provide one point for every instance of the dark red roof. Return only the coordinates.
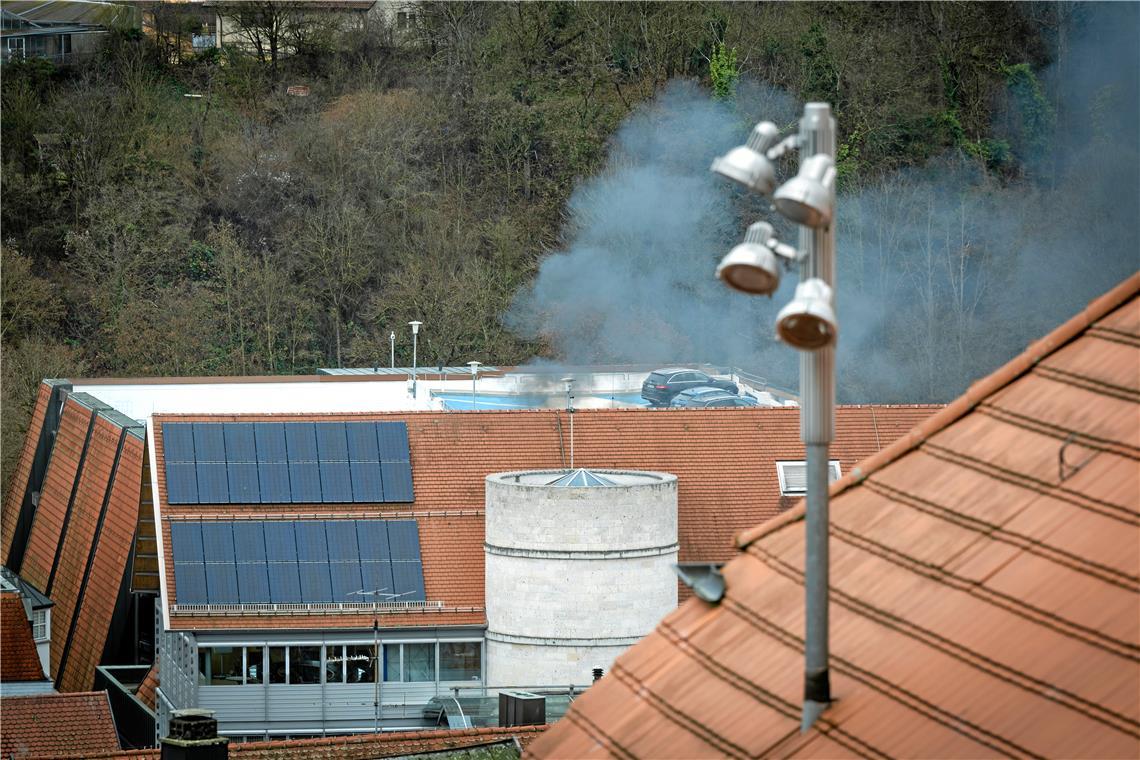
(725, 460)
(985, 575)
(18, 658)
(10, 511)
(57, 725)
(146, 690)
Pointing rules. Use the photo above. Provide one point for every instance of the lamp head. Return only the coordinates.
(750, 268)
(747, 163)
(807, 197)
(415, 327)
(808, 322)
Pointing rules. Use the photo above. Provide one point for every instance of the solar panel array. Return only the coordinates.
(286, 462)
(310, 561)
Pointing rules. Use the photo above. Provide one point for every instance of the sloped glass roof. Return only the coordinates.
(581, 478)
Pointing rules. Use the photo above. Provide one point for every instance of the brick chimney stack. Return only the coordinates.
(194, 736)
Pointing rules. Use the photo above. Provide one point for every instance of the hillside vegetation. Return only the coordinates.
(425, 177)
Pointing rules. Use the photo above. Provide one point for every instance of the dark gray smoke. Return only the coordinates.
(943, 273)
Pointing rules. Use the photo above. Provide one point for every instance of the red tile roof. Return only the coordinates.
(985, 578)
(57, 725)
(725, 460)
(146, 690)
(362, 746)
(18, 658)
(18, 486)
(86, 546)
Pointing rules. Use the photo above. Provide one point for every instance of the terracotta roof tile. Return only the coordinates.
(10, 512)
(725, 460)
(146, 690)
(985, 573)
(57, 725)
(19, 660)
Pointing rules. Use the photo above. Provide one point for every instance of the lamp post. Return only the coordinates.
(415, 342)
(392, 349)
(570, 411)
(474, 374)
(809, 324)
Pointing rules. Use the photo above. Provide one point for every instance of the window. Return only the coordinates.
(304, 665)
(359, 663)
(39, 625)
(277, 665)
(15, 48)
(411, 663)
(220, 666)
(65, 44)
(793, 476)
(253, 670)
(334, 664)
(460, 661)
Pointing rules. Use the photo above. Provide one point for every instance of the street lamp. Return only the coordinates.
(474, 374)
(392, 349)
(569, 381)
(809, 324)
(415, 340)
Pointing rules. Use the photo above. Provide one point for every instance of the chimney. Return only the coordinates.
(598, 674)
(194, 736)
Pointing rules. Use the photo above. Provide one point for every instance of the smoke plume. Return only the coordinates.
(943, 273)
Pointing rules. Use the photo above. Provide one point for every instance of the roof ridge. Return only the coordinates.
(961, 406)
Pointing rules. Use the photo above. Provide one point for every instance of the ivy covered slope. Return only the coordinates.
(426, 175)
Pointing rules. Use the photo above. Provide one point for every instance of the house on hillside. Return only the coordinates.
(985, 588)
(277, 30)
(305, 564)
(62, 31)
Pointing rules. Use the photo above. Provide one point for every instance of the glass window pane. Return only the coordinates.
(392, 662)
(419, 662)
(460, 661)
(359, 663)
(334, 664)
(203, 665)
(304, 665)
(253, 670)
(276, 664)
(225, 666)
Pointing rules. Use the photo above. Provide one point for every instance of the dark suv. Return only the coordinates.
(662, 385)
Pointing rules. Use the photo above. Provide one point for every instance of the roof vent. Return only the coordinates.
(581, 478)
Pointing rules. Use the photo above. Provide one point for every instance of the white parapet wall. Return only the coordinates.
(575, 574)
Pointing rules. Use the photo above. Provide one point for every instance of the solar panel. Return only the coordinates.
(372, 538)
(280, 541)
(209, 442)
(397, 478)
(345, 577)
(273, 482)
(284, 583)
(376, 576)
(315, 584)
(305, 482)
(393, 439)
(249, 541)
(269, 438)
(336, 482)
(221, 583)
(332, 446)
(362, 443)
(367, 485)
(240, 442)
(178, 441)
(301, 440)
(186, 541)
(341, 538)
(213, 483)
(408, 581)
(312, 546)
(181, 483)
(253, 583)
(190, 583)
(218, 542)
(243, 483)
(404, 539)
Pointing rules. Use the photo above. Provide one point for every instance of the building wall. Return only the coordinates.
(574, 575)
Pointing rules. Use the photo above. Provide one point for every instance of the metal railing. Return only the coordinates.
(305, 608)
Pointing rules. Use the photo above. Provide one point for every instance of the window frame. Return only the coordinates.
(833, 466)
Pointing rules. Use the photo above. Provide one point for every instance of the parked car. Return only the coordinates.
(705, 396)
(663, 384)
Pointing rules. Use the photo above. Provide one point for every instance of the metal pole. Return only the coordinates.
(392, 349)
(415, 324)
(474, 374)
(377, 668)
(817, 429)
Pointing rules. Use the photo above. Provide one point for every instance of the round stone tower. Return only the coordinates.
(578, 568)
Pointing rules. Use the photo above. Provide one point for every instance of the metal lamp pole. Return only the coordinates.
(415, 341)
(817, 429)
(392, 349)
(474, 374)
